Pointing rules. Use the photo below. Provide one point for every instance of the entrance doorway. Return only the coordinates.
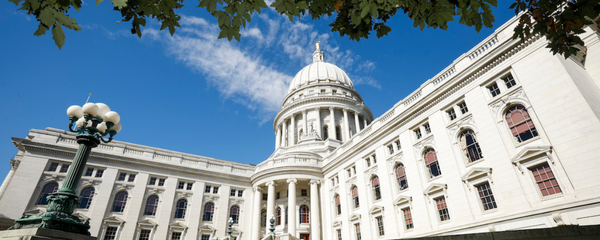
(304, 236)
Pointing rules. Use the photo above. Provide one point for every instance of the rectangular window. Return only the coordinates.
(442, 208)
(278, 195)
(451, 114)
(189, 186)
(122, 177)
(64, 168)
(339, 234)
(111, 233)
(303, 192)
(89, 172)
(265, 197)
(232, 193)
(545, 180)
(180, 185)
(144, 234)
(380, 226)
(161, 182)
(357, 230)
(486, 196)
(418, 133)
(509, 81)
(53, 166)
(374, 158)
(207, 189)
(240, 193)
(368, 161)
(152, 181)
(349, 172)
(205, 237)
(463, 107)
(215, 189)
(131, 178)
(494, 90)
(390, 149)
(176, 236)
(427, 128)
(398, 146)
(99, 172)
(408, 222)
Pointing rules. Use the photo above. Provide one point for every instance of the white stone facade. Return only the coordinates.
(505, 138)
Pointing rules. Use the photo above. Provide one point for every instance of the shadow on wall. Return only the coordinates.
(566, 232)
(5, 222)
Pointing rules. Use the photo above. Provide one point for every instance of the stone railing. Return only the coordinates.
(289, 161)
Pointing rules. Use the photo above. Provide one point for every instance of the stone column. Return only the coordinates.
(319, 128)
(270, 200)
(331, 128)
(14, 164)
(284, 142)
(293, 127)
(292, 206)
(304, 116)
(356, 121)
(365, 122)
(315, 222)
(256, 211)
(278, 137)
(346, 126)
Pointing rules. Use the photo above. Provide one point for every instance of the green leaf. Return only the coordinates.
(119, 3)
(35, 4)
(41, 30)
(46, 16)
(58, 34)
(365, 11)
(98, 2)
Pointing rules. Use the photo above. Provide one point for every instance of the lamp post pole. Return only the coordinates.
(92, 123)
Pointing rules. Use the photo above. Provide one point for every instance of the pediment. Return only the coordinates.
(114, 219)
(530, 152)
(376, 209)
(402, 200)
(147, 223)
(81, 217)
(337, 224)
(435, 187)
(177, 225)
(476, 173)
(207, 228)
(354, 217)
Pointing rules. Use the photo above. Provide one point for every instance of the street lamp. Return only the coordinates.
(92, 123)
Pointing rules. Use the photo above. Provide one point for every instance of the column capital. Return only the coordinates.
(270, 183)
(331, 108)
(257, 189)
(292, 180)
(304, 111)
(315, 181)
(14, 164)
(318, 109)
(345, 110)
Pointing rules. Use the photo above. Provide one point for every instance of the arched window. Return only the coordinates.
(46, 191)
(180, 208)
(520, 123)
(470, 147)
(338, 205)
(338, 133)
(325, 133)
(401, 176)
(432, 163)
(209, 209)
(234, 213)
(85, 197)
(263, 218)
(151, 205)
(303, 214)
(376, 190)
(278, 219)
(354, 191)
(120, 201)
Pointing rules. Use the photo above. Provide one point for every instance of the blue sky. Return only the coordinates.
(192, 92)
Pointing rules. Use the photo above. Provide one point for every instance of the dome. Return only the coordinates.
(320, 70)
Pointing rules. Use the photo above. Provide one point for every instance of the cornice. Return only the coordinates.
(458, 81)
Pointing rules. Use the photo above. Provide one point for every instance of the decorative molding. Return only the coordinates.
(434, 188)
(376, 209)
(369, 173)
(477, 172)
(351, 181)
(429, 141)
(527, 153)
(460, 125)
(355, 217)
(213, 199)
(186, 195)
(239, 202)
(403, 200)
(14, 164)
(516, 96)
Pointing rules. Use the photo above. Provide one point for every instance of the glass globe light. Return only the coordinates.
(102, 127)
(79, 122)
(91, 109)
(102, 109)
(75, 111)
(117, 127)
(112, 116)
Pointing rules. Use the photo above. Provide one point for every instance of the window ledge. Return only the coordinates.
(521, 144)
(470, 164)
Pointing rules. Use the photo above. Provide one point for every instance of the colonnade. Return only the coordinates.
(315, 222)
(283, 139)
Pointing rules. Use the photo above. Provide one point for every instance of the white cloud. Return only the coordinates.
(250, 75)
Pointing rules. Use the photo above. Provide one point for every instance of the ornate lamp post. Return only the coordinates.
(92, 123)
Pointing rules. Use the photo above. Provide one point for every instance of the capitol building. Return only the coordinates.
(507, 137)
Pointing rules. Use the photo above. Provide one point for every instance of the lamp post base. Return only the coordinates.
(42, 234)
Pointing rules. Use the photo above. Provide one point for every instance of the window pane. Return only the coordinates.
(180, 208)
(144, 234)
(52, 167)
(111, 233)
(64, 168)
(443, 212)
(99, 172)
(151, 206)
(88, 172)
(494, 90)
(119, 202)
(486, 196)
(408, 222)
(46, 191)
(161, 182)
(85, 197)
(545, 180)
